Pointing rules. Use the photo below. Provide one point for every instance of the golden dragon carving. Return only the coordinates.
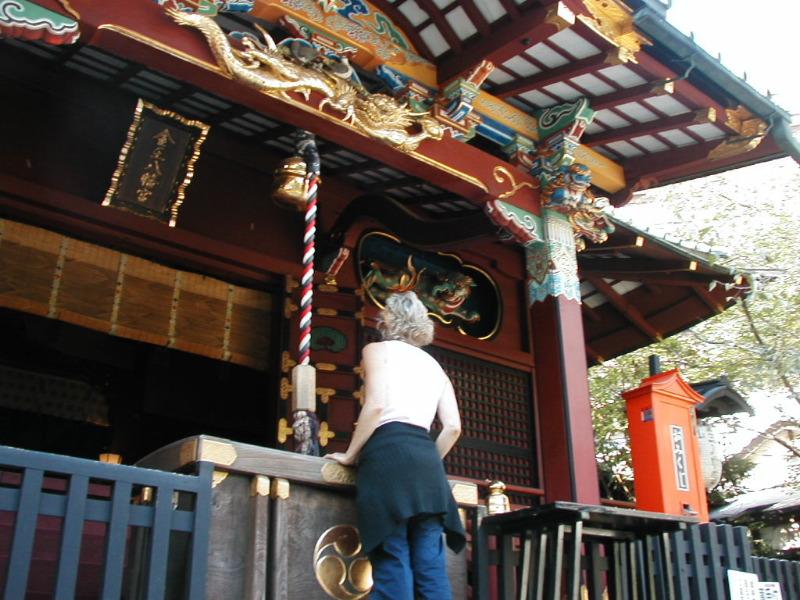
(266, 68)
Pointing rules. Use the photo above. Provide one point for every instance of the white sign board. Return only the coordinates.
(742, 585)
(769, 590)
(746, 586)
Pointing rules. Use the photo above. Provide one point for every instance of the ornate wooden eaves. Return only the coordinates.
(707, 115)
(509, 39)
(149, 36)
(614, 21)
(29, 21)
(559, 74)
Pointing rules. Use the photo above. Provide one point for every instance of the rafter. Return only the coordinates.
(508, 39)
(666, 167)
(594, 357)
(636, 266)
(511, 8)
(391, 184)
(280, 131)
(630, 312)
(683, 279)
(634, 94)
(590, 313)
(353, 168)
(475, 15)
(442, 24)
(651, 68)
(568, 71)
(707, 115)
(432, 199)
(685, 92)
(708, 299)
(636, 243)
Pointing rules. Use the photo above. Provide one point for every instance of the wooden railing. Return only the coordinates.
(126, 530)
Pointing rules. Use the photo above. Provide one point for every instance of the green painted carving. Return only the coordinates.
(328, 339)
(455, 293)
(29, 21)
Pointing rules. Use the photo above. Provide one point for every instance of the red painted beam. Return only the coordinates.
(559, 74)
(650, 127)
(508, 39)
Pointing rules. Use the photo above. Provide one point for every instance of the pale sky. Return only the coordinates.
(761, 38)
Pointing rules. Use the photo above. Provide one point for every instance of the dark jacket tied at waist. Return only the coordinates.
(400, 475)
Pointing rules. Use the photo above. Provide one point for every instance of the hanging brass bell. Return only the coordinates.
(289, 184)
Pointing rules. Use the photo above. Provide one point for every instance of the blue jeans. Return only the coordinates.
(411, 563)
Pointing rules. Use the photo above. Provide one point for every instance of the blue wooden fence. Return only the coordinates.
(152, 525)
(786, 572)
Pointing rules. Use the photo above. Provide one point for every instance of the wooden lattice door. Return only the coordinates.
(496, 403)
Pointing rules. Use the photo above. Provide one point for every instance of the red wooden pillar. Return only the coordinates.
(569, 468)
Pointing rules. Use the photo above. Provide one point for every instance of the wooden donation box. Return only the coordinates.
(283, 525)
(666, 457)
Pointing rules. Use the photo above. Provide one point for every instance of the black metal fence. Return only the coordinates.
(78, 529)
(574, 551)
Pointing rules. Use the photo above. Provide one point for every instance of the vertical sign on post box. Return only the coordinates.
(664, 446)
(679, 454)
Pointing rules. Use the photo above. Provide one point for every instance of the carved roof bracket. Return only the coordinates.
(750, 131)
(614, 21)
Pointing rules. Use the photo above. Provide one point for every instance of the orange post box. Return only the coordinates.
(664, 446)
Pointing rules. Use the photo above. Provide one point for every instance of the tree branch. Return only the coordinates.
(784, 379)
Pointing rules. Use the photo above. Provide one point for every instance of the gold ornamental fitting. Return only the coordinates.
(497, 487)
(289, 184)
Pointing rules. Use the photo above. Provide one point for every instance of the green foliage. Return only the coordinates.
(753, 214)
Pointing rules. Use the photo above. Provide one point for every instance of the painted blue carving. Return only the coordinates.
(494, 131)
(395, 81)
(353, 7)
(555, 284)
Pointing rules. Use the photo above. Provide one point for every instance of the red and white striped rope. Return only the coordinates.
(307, 279)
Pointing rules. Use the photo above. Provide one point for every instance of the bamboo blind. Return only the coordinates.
(50, 274)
